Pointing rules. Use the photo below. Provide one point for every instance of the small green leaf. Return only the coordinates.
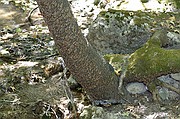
(18, 30)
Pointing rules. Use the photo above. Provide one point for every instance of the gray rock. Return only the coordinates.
(176, 76)
(169, 80)
(136, 88)
(108, 34)
(165, 93)
(174, 40)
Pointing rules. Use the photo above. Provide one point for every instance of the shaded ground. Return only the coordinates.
(31, 79)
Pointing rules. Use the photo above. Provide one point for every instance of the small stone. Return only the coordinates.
(136, 88)
(163, 108)
(51, 43)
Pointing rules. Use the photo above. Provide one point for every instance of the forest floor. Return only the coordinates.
(31, 76)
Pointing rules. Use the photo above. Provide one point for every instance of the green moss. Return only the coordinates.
(114, 58)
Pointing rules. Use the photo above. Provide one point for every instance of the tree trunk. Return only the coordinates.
(87, 66)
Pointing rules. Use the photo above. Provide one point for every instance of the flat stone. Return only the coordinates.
(136, 88)
(176, 76)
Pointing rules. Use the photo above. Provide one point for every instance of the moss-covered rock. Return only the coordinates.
(152, 60)
(149, 62)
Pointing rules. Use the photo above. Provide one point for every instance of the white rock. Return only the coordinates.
(136, 88)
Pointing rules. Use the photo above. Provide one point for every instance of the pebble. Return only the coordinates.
(163, 108)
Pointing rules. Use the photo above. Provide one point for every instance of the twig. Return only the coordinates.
(123, 73)
(28, 18)
(67, 88)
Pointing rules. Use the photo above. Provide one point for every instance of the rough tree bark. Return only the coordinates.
(89, 68)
